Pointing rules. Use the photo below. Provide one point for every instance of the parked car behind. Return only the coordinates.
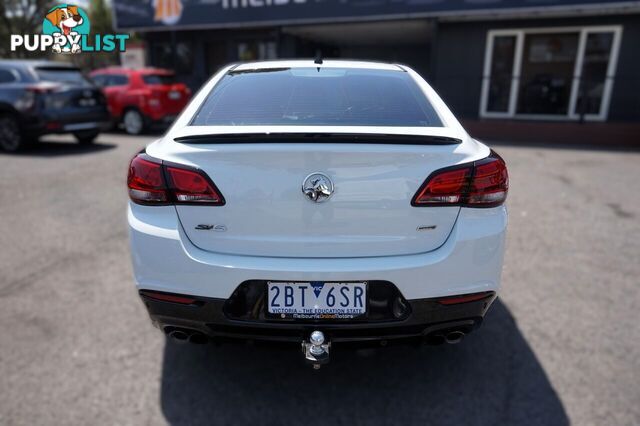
(140, 98)
(40, 97)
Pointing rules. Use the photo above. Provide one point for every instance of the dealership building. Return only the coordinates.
(512, 69)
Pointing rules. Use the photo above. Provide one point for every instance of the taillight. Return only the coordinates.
(43, 87)
(154, 98)
(444, 187)
(483, 183)
(190, 186)
(146, 182)
(490, 182)
(32, 92)
(152, 182)
(26, 101)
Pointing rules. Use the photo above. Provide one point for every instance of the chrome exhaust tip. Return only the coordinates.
(454, 337)
(179, 336)
(183, 335)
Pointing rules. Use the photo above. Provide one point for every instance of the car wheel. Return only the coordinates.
(133, 122)
(11, 137)
(87, 137)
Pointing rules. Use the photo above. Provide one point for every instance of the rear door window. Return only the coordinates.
(164, 79)
(62, 75)
(118, 80)
(317, 96)
(7, 76)
(100, 79)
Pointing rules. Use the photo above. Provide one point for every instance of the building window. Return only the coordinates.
(554, 73)
(594, 72)
(179, 60)
(257, 50)
(504, 49)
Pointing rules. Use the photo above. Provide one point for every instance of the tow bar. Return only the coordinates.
(316, 351)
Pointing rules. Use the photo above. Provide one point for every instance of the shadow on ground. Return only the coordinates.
(45, 148)
(491, 378)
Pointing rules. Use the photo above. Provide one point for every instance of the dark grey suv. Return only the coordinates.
(41, 97)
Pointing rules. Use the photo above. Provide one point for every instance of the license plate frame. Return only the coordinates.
(317, 291)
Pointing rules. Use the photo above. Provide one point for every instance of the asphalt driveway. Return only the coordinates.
(561, 345)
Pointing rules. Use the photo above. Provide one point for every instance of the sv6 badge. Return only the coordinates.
(206, 227)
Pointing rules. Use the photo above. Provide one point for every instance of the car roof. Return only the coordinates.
(129, 71)
(33, 63)
(310, 63)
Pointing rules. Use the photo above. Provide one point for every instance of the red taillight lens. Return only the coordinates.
(146, 182)
(465, 298)
(444, 187)
(191, 186)
(165, 297)
(483, 183)
(151, 182)
(53, 125)
(490, 183)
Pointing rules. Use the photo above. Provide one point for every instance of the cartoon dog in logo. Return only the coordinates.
(66, 18)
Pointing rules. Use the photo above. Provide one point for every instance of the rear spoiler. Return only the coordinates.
(363, 138)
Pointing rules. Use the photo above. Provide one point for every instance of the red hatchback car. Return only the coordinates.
(139, 98)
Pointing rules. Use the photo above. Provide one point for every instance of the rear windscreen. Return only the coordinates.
(317, 96)
(159, 79)
(62, 75)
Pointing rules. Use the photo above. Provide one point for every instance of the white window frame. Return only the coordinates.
(572, 114)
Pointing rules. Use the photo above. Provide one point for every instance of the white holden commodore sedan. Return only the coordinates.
(317, 203)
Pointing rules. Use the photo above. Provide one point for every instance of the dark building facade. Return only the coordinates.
(552, 68)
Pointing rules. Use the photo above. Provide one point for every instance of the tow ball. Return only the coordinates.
(316, 350)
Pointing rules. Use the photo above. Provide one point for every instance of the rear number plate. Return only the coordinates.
(174, 95)
(84, 102)
(80, 126)
(317, 300)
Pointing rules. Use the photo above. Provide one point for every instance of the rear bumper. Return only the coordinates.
(470, 261)
(67, 122)
(428, 319)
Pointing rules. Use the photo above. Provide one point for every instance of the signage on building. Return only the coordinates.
(134, 56)
(66, 30)
(184, 14)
